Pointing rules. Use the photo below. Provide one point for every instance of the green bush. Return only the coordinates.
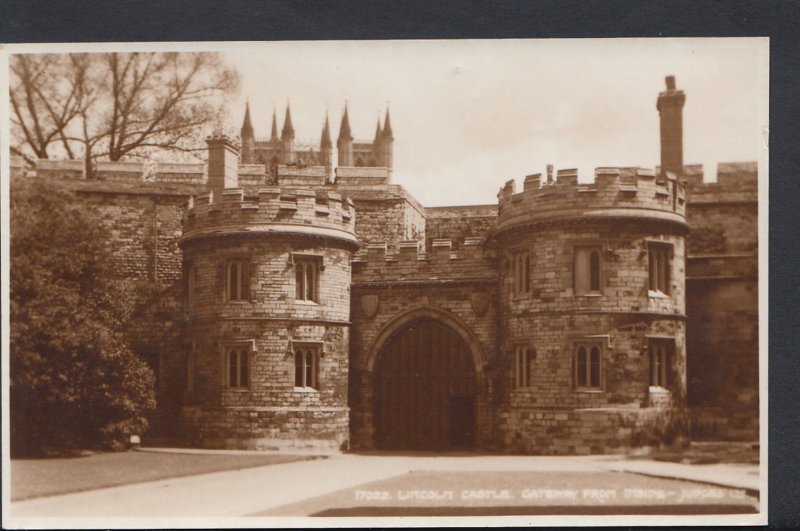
(74, 381)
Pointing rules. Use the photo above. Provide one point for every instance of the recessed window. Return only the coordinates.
(587, 365)
(238, 367)
(588, 270)
(306, 360)
(521, 272)
(238, 280)
(306, 279)
(522, 357)
(659, 265)
(661, 352)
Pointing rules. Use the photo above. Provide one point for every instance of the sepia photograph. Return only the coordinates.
(385, 283)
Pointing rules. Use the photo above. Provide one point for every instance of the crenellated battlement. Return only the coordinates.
(616, 192)
(408, 261)
(271, 210)
(736, 182)
(250, 175)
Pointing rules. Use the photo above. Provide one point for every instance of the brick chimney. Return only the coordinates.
(223, 164)
(670, 108)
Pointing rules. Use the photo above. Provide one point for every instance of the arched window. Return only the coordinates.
(306, 277)
(305, 366)
(587, 364)
(522, 359)
(588, 270)
(238, 367)
(238, 281)
(661, 354)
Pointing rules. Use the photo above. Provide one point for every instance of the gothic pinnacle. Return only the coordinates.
(288, 129)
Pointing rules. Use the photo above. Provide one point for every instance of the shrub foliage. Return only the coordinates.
(74, 380)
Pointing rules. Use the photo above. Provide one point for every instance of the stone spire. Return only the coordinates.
(274, 135)
(378, 132)
(247, 125)
(387, 142)
(247, 137)
(344, 128)
(345, 141)
(325, 141)
(387, 127)
(288, 129)
(326, 150)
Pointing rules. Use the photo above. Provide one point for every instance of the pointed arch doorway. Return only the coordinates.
(426, 389)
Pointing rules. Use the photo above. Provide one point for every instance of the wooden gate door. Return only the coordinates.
(426, 390)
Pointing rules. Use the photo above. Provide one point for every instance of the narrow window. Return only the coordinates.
(306, 279)
(659, 265)
(594, 369)
(305, 367)
(661, 362)
(522, 358)
(587, 364)
(238, 280)
(594, 270)
(587, 270)
(521, 271)
(238, 367)
(581, 365)
(299, 281)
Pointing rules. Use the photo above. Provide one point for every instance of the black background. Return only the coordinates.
(257, 20)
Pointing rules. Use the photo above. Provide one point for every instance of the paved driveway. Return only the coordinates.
(333, 484)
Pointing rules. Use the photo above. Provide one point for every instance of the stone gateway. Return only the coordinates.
(308, 305)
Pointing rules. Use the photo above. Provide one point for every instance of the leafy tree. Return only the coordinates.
(115, 105)
(75, 382)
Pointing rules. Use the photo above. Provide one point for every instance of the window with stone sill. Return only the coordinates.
(521, 273)
(306, 277)
(587, 366)
(237, 280)
(523, 356)
(659, 267)
(661, 353)
(588, 270)
(306, 365)
(237, 373)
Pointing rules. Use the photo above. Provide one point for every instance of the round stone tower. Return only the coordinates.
(593, 311)
(268, 305)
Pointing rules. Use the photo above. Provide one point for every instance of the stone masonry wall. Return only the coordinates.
(459, 222)
(722, 302)
(456, 288)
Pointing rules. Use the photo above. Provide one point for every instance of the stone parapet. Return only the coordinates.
(408, 262)
(616, 193)
(737, 182)
(273, 210)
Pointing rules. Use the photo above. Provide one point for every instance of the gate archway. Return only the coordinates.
(426, 389)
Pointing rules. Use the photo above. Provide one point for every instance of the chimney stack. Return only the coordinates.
(223, 165)
(549, 174)
(670, 108)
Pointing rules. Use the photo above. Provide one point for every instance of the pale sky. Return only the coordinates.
(469, 115)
